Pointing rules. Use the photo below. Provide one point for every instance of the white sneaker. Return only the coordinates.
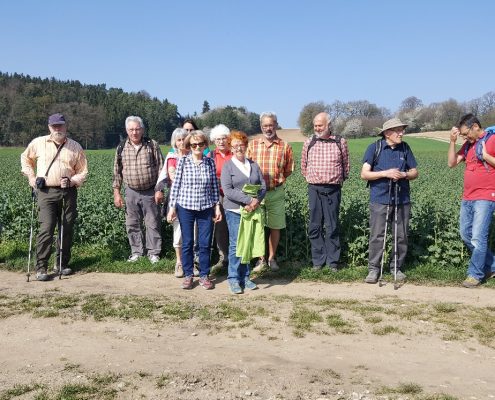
(153, 258)
(133, 257)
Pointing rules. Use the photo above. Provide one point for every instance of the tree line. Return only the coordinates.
(361, 118)
(95, 113)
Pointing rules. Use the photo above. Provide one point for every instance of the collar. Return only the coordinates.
(268, 143)
(221, 154)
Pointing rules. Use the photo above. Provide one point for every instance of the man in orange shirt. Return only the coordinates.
(276, 160)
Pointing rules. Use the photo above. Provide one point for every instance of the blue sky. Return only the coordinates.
(264, 55)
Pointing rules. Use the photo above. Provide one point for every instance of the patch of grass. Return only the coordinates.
(45, 313)
(162, 381)
(18, 390)
(339, 324)
(445, 308)
(104, 379)
(178, 310)
(71, 367)
(365, 309)
(86, 392)
(385, 330)
(403, 388)
(373, 319)
(97, 306)
(302, 319)
(231, 312)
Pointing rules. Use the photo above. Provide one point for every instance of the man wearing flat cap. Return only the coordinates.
(55, 166)
(388, 166)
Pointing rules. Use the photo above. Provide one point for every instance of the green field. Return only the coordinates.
(436, 253)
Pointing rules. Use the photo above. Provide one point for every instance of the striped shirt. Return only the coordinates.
(275, 159)
(140, 166)
(71, 161)
(195, 186)
(324, 162)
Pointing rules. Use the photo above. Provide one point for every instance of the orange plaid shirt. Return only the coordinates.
(275, 159)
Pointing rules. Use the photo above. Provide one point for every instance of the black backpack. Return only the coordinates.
(338, 141)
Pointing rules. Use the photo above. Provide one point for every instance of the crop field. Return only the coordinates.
(436, 253)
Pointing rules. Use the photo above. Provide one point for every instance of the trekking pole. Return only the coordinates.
(61, 231)
(33, 195)
(380, 279)
(396, 201)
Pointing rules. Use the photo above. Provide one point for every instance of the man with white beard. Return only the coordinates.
(276, 160)
(325, 165)
(55, 167)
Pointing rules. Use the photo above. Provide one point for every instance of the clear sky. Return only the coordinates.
(261, 54)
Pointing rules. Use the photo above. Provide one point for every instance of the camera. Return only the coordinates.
(40, 182)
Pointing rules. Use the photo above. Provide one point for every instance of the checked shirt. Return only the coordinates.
(195, 186)
(324, 163)
(275, 159)
(140, 167)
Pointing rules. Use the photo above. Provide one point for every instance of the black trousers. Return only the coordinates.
(50, 202)
(323, 233)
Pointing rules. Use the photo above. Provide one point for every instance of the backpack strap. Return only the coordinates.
(146, 141)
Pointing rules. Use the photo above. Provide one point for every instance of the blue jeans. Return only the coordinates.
(237, 271)
(204, 220)
(475, 221)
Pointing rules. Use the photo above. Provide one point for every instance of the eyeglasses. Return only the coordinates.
(134, 129)
(238, 146)
(221, 139)
(465, 133)
(194, 145)
(398, 130)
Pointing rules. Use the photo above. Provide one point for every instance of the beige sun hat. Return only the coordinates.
(392, 123)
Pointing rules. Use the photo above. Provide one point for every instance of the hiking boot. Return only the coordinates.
(153, 258)
(133, 257)
(249, 284)
(260, 265)
(179, 272)
(206, 283)
(65, 271)
(41, 275)
(372, 276)
(273, 265)
(471, 282)
(234, 287)
(401, 276)
(187, 283)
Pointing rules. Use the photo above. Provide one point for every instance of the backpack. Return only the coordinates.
(378, 149)
(147, 142)
(338, 141)
(478, 150)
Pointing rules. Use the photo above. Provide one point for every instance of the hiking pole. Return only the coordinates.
(380, 280)
(396, 201)
(33, 195)
(61, 232)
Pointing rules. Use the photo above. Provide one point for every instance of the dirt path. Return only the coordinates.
(216, 353)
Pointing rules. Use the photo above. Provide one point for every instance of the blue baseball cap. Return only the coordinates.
(56, 119)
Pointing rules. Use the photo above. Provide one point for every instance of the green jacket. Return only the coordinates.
(251, 236)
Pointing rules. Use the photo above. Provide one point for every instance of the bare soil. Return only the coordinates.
(262, 357)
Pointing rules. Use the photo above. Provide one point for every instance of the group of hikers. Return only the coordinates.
(233, 194)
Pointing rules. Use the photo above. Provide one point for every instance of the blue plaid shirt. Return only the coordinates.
(195, 186)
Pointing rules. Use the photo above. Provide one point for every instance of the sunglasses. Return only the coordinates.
(194, 145)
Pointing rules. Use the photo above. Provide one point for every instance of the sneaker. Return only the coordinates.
(233, 287)
(401, 276)
(249, 284)
(41, 275)
(65, 271)
(317, 267)
(273, 265)
(133, 257)
(179, 272)
(153, 258)
(372, 276)
(206, 283)
(471, 282)
(260, 265)
(187, 283)
(333, 268)
(195, 270)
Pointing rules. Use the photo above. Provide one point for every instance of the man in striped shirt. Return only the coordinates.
(137, 167)
(325, 165)
(276, 160)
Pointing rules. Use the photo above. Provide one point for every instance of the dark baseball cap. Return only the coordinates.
(56, 119)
